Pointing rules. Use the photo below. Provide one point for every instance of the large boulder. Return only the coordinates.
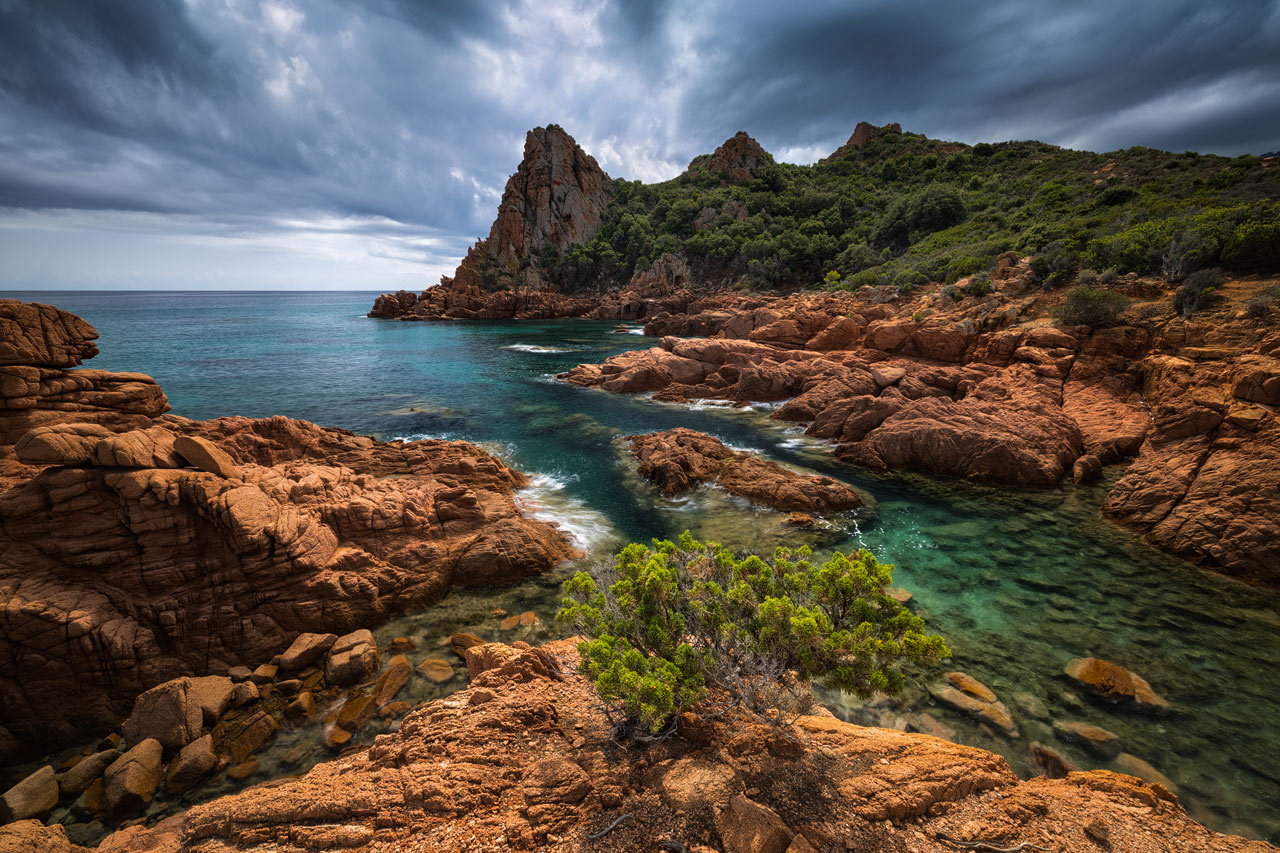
(130, 782)
(32, 797)
(87, 771)
(43, 336)
(170, 713)
(305, 650)
(192, 764)
(353, 657)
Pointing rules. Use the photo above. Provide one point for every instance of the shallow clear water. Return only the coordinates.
(1019, 583)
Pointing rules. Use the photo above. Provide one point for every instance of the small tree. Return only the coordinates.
(1197, 291)
(1090, 306)
(684, 624)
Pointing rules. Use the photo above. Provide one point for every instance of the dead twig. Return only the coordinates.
(608, 829)
(989, 847)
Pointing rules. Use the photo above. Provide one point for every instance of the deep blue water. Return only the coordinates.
(1019, 583)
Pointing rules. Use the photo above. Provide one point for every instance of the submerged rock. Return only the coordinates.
(1114, 683)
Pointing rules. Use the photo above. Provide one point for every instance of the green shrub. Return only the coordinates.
(1088, 306)
(683, 624)
(964, 265)
(933, 208)
(1260, 307)
(983, 149)
(950, 292)
(1254, 246)
(1112, 196)
(979, 285)
(1197, 291)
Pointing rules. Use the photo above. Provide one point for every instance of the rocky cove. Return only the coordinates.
(340, 637)
(1020, 582)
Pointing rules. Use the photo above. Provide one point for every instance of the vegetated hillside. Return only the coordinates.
(896, 208)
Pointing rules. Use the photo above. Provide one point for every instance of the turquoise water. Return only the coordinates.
(1019, 583)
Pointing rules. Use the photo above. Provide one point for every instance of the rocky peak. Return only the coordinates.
(741, 157)
(557, 197)
(863, 133)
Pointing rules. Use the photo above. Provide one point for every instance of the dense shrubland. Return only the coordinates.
(906, 210)
(689, 626)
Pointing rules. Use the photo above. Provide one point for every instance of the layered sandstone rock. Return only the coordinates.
(679, 459)
(118, 578)
(524, 760)
(988, 389)
(38, 345)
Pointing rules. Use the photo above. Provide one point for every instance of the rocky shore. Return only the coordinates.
(992, 389)
(140, 548)
(524, 759)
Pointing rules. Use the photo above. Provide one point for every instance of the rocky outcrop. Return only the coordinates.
(38, 346)
(556, 198)
(988, 389)
(863, 133)
(524, 760)
(739, 159)
(679, 459)
(117, 578)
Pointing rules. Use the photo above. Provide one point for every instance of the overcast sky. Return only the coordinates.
(363, 144)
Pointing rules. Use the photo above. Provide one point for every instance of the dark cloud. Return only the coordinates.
(400, 119)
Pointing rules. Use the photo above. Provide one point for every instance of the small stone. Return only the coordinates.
(971, 685)
(1093, 738)
(800, 519)
(401, 644)
(886, 376)
(214, 693)
(191, 765)
(900, 595)
(436, 669)
(206, 456)
(78, 779)
(289, 687)
(244, 693)
(1132, 765)
(1098, 831)
(31, 798)
(354, 657)
(265, 674)
(305, 650)
(251, 735)
(355, 712)
(239, 673)
(111, 741)
(745, 826)
(509, 624)
(394, 709)
(392, 681)
(460, 642)
(302, 708)
(243, 770)
(336, 736)
(1114, 683)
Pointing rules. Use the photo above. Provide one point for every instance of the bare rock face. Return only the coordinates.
(37, 345)
(872, 789)
(863, 133)
(557, 197)
(122, 578)
(43, 336)
(679, 459)
(740, 158)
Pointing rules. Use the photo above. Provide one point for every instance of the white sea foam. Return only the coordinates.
(424, 436)
(535, 348)
(545, 500)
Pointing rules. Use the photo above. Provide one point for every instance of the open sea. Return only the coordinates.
(1018, 582)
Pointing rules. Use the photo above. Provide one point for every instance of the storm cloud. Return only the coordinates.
(365, 143)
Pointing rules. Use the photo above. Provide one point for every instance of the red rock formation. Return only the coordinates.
(117, 578)
(863, 133)
(740, 158)
(557, 197)
(988, 390)
(37, 345)
(679, 459)
(523, 759)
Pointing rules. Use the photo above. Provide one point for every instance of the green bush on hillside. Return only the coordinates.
(1197, 291)
(1254, 246)
(686, 624)
(1089, 306)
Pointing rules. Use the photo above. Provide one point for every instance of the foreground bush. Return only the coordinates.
(679, 625)
(1090, 306)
